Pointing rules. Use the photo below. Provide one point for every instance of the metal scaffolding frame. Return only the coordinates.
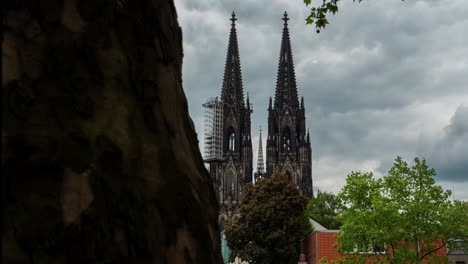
(213, 129)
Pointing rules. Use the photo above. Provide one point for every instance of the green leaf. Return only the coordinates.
(271, 222)
(406, 206)
(333, 9)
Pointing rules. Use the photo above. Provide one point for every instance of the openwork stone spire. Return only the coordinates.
(260, 163)
(286, 90)
(232, 92)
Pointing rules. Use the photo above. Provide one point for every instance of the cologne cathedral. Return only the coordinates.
(228, 142)
(288, 146)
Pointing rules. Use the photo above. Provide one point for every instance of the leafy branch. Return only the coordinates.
(318, 14)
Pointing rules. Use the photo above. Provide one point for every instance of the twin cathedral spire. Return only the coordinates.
(288, 148)
(286, 90)
(232, 92)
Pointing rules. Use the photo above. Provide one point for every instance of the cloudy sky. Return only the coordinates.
(385, 78)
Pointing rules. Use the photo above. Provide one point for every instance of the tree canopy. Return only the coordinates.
(271, 222)
(324, 208)
(404, 214)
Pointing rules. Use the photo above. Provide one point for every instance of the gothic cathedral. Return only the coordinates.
(288, 147)
(234, 170)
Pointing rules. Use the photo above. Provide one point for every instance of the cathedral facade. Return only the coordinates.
(288, 148)
(231, 173)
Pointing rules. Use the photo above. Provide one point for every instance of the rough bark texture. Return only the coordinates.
(100, 158)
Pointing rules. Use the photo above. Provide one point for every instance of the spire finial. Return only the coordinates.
(285, 19)
(233, 19)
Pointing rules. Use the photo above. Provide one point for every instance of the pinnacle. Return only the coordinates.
(285, 19)
(260, 163)
(233, 19)
(232, 90)
(286, 90)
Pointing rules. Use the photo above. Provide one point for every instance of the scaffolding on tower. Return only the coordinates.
(213, 129)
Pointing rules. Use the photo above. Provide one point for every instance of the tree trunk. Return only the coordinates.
(100, 158)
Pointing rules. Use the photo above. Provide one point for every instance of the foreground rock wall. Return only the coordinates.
(100, 158)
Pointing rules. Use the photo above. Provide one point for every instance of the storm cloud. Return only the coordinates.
(386, 78)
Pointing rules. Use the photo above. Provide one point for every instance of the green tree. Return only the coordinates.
(318, 14)
(404, 214)
(271, 222)
(324, 208)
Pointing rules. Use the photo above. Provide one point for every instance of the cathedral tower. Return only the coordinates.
(234, 168)
(288, 145)
(260, 165)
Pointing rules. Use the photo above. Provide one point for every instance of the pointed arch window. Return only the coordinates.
(231, 187)
(289, 174)
(232, 139)
(286, 139)
(225, 187)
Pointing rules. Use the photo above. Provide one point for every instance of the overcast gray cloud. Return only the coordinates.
(450, 152)
(385, 78)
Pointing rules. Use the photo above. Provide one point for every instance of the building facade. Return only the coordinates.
(288, 145)
(458, 255)
(321, 246)
(228, 142)
(232, 169)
